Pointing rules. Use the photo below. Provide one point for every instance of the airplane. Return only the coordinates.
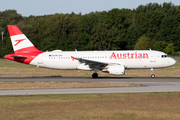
(112, 62)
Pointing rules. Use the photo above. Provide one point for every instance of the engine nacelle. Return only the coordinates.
(116, 69)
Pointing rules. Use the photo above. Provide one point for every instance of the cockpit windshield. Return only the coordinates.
(164, 56)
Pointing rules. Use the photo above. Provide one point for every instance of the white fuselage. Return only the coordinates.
(138, 59)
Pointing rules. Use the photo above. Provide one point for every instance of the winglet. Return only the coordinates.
(73, 58)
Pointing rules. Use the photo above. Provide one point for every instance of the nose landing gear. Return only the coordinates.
(152, 73)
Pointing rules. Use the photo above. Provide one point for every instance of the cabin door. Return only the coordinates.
(152, 57)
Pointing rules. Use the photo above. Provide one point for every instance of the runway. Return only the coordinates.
(159, 84)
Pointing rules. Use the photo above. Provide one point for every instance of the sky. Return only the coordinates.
(47, 7)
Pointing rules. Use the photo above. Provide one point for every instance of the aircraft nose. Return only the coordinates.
(173, 62)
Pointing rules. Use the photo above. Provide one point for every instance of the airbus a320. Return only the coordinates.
(112, 62)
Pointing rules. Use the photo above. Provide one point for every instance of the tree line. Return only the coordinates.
(155, 26)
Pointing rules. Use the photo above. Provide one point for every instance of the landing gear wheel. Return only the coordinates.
(94, 75)
(152, 73)
(152, 76)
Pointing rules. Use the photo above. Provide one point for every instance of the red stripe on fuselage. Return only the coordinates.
(28, 53)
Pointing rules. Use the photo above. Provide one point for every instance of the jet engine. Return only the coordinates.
(116, 69)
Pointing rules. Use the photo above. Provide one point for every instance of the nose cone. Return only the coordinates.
(173, 62)
(170, 62)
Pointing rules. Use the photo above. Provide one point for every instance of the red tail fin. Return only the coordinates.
(24, 50)
(20, 43)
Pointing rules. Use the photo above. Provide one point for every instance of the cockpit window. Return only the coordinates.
(164, 56)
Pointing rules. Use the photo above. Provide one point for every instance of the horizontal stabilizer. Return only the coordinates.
(15, 56)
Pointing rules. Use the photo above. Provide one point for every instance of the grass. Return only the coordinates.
(11, 68)
(54, 85)
(126, 106)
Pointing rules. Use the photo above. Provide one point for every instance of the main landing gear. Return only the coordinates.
(94, 75)
(152, 73)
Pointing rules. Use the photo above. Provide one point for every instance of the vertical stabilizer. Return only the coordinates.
(24, 50)
(20, 43)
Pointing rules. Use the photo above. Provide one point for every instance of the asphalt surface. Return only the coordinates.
(158, 84)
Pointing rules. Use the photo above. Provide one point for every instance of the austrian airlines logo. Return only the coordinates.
(18, 41)
(73, 58)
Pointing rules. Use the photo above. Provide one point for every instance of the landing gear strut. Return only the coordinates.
(94, 75)
(152, 73)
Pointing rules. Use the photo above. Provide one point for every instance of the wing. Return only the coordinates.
(92, 63)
